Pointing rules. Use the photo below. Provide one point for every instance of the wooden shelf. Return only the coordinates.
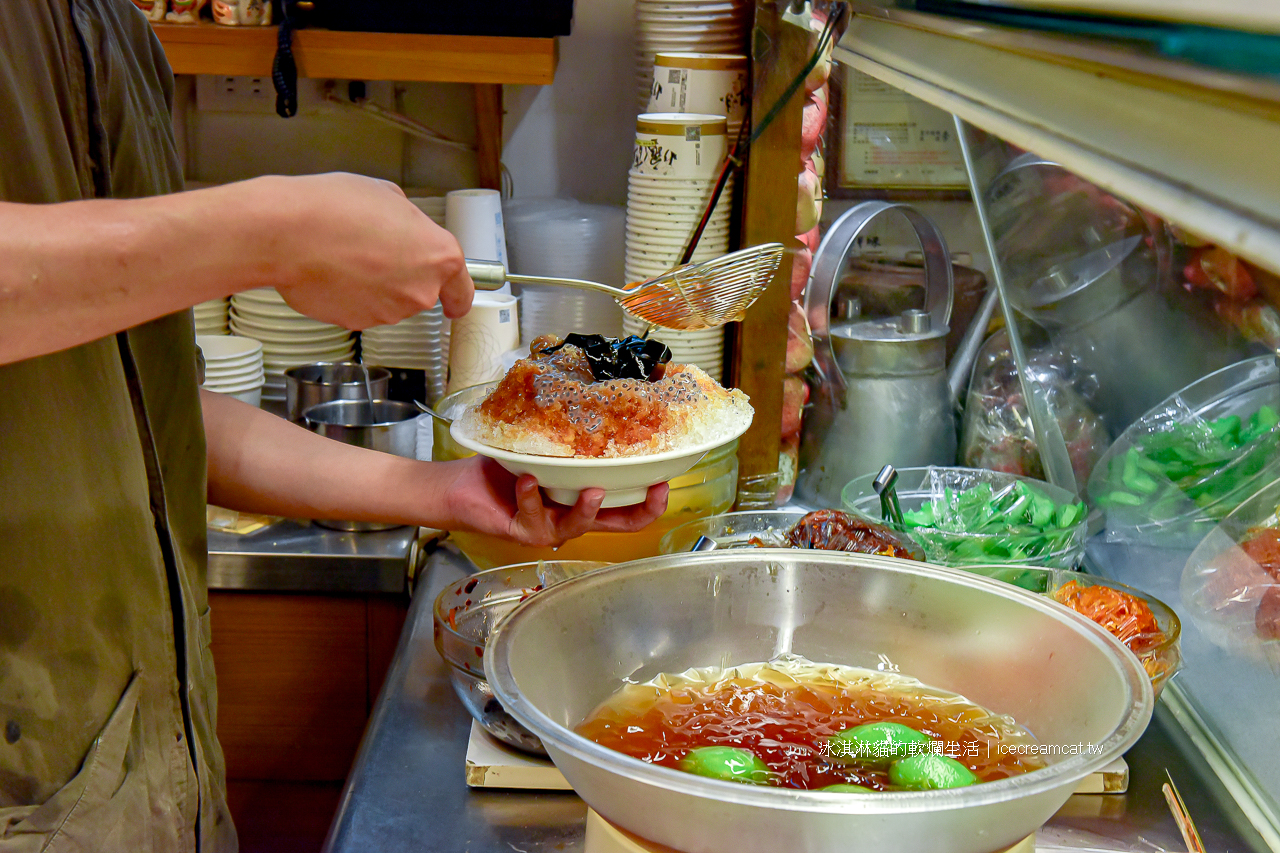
(208, 48)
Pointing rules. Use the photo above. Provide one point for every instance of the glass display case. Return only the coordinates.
(1124, 209)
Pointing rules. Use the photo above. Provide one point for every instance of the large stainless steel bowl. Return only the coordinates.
(1073, 685)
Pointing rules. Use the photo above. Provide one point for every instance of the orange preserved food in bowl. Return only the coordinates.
(1131, 620)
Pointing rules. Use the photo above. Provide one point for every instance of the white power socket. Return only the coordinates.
(235, 94)
(258, 94)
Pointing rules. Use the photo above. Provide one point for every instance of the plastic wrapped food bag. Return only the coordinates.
(1191, 460)
(997, 431)
(1231, 583)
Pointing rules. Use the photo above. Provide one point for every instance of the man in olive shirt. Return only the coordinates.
(107, 699)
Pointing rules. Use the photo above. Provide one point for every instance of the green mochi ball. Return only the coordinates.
(843, 788)
(877, 743)
(729, 763)
(930, 772)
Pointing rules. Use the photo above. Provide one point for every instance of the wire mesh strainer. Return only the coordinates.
(691, 297)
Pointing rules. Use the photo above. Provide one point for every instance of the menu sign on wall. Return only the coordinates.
(890, 139)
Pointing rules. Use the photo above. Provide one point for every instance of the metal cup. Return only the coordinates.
(309, 385)
(389, 426)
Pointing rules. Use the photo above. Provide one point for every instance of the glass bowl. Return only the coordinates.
(464, 614)
(733, 530)
(750, 529)
(1144, 506)
(1161, 657)
(916, 487)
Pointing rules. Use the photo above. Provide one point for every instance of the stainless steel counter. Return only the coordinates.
(294, 556)
(406, 790)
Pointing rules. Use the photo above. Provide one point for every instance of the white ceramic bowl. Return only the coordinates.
(216, 366)
(284, 322)
(220, 380)
(625, 480)
(248, 383)
(288, 331)
(281, 363)
(227, 347)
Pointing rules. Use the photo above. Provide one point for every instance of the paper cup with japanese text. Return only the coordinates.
(701, 83)
(480, 337)
(679, 145)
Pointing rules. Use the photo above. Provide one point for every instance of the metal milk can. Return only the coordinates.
(881, 395)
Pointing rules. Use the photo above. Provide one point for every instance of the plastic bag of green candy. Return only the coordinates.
(1193, 459)
(966, 516)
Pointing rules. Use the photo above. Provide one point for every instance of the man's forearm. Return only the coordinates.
(73, 272)
(262, 463)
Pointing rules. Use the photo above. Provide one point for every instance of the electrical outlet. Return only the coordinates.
(258, 94)
(235, 94)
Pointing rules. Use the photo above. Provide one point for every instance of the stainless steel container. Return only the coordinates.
(883, 397)
(389, 426)
(309, 385)
(557, 656)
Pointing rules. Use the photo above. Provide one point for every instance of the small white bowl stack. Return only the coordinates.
(420, 342)
(233, 366)
(211, 317)
(673, 173)
(565, 238)
(702, 26)
(288, 338)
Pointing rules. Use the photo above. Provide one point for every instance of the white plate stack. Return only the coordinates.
(288, 338)
(565, 238)
(211, 317)
(701, 26)
(677, 157)
(432, 206)
(420, 342)
(233, 366)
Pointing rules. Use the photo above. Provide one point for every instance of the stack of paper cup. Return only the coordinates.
(479, 339)
(474, 217)
(703, 26)
(568, 239)
(673, 173)
(701, 83)
(211, 316)
(677, 157)
(233, 366)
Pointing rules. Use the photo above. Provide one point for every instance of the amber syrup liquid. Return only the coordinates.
(787, 727)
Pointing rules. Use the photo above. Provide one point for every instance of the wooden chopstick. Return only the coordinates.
(1190, 835)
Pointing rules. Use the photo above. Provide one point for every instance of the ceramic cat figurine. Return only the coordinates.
(153, 9)
(183, 11)
(246, 13)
